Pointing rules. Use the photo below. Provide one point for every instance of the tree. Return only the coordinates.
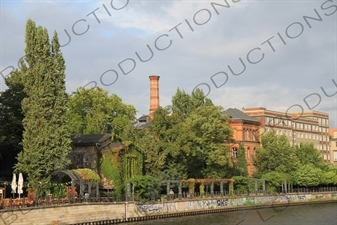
(11, 114)
(189, 143)
(308, 154)
(275, 155)
(46, 142)
(307, 175)
(274, 180)
(11, 128)
(209, 155)
(183, 104)
(94, 111)
(146, 187)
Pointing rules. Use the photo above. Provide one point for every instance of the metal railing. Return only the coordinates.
(10, 203)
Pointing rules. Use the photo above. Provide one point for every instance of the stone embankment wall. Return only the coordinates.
(194, 205)
(99, 213)
(69, 214)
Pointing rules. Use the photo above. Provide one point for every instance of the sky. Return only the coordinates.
(281, 55)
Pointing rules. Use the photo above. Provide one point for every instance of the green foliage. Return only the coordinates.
(184, 104)
(88, 175)
(328, 178)
(275, 155)
(231, 188)
(146, 187)
(241, 183)
(307, 175)
(11, 117)
(240, 167)
(94, 111)
(11, 114)
(308, 154)
(111, 170)
(46, 141)
(132, 162)
(301, 165)
(189, 142)
(58, 191)
(273, 180)
(202, 189)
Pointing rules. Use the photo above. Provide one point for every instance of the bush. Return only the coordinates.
(146, 187)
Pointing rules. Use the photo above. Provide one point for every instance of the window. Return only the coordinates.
(234, 152)
(77, 160)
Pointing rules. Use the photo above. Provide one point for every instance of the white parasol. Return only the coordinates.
(20, 184)
(14, 184)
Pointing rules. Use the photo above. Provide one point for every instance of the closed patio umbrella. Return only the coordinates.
(20, 184)
(14, 184)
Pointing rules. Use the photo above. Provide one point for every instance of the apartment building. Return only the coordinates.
(333, 145)
(306, 127)
(245, 132)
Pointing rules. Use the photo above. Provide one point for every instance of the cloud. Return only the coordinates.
(285, 75)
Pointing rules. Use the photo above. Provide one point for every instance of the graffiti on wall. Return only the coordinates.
(150, 208)
(171, 207)
(222, 202)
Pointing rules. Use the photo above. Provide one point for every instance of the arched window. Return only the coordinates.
(234, 152)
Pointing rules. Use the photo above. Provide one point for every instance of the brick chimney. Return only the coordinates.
(154, 93)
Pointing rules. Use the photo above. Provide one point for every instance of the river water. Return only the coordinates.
(315, 214)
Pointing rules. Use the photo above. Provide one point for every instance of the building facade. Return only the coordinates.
(246, 132)
(333, 145)
(306, 127)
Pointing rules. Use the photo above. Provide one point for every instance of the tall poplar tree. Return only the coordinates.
(46, 141)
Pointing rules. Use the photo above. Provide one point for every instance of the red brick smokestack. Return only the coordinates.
(154, 93)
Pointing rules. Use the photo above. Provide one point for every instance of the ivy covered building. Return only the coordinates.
(113, 161)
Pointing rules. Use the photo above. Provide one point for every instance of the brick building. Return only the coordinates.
(246, 132)
(333, 145)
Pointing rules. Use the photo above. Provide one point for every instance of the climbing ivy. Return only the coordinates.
(110, 169)
(132, 163)
(231, 188)
(88, 175)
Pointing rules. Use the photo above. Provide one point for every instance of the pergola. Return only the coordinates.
(77, 179)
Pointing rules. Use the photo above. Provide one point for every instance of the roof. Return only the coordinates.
(89, 139)
(332, 133)
(143, 118)
(142, 122)
(78, 175)
(236, 114)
